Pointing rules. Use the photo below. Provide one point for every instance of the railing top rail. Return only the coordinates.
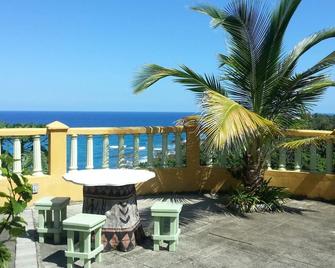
(124, 130)
(307, 132)
(19, 132)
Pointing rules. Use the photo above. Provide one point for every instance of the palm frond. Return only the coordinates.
(305, 45)
(297, 98)
(223, 59)
(218, 16)
(322, 65)
(152, 73)
(227, 124)
(291, 145)
(272, 46)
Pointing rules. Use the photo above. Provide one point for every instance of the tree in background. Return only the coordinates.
(258, 93)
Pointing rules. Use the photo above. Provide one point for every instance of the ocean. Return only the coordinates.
(103, 119)
(94, 119)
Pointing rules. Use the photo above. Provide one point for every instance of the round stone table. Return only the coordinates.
(111, 192)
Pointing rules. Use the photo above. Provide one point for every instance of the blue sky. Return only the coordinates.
(82, 55)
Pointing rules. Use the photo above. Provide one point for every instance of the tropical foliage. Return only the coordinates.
(258, 93)
(267, 197)
(26, 146)
(14, 201)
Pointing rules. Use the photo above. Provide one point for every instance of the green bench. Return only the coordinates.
(84, 224)
(166, 224)
(51, 212)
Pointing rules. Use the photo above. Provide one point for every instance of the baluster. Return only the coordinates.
(178, 149)
(297, 160)
(150, 150)
(268, 161)
(17, 165)
(223, 158)
(37, 162)
(136, 150)
(164, 149)
(121, 162)
(209, 158)
(282, 159)
(329, 156)
(74, 153)
(105, 151)
(0, 155)
(89, 152)
(313, 158)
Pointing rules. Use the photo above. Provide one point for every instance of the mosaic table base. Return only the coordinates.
(123, 229)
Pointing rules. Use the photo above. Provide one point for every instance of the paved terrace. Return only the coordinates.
(302, 236)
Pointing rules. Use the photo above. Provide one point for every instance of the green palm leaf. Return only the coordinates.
(306, 44)
(306, 142)
(227, 124)
(152, 73)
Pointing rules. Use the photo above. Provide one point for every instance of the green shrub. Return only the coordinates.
(14, 203)
(5, 255)
(266, 198)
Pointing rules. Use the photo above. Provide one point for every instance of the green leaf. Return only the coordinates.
(17, 178)
(16, 231)
(2, 194)
(193, 81)
(228, 124)
(18, 207)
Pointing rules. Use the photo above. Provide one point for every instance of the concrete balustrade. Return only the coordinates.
(164, 149)
(136, 158)
(192, 177)
(17, 165)
(105, 151)
(74, 153)
(37, 161)
(178, 149)
(297, 160)
(329, 157)
(89, 152)
(150, 150)
(121, 157)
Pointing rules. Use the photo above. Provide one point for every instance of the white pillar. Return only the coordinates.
(297, 160)
(136, 161)
(329, 156)
(282, 159)
(121, 159)
(37, 162)
(89, 154)
(178, 149)
(105, 152)
(150, 150)
(17, 166)
(74, 153)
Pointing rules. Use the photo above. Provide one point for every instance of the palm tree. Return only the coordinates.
(258, 93)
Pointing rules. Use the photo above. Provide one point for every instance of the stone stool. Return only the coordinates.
(51, 213)
(166, 224)
(84, 224)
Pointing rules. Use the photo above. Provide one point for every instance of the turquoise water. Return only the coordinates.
(104, 119)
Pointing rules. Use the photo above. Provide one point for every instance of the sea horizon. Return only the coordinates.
(93, 118)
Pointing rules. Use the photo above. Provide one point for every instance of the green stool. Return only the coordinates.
(51, 213)
(84, 224)
(166, 224)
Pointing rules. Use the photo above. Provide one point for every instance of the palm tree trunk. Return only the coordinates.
(254, 168)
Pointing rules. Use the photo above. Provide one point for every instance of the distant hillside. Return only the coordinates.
(319, 121)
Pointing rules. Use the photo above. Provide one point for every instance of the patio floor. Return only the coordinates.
(302, 236)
